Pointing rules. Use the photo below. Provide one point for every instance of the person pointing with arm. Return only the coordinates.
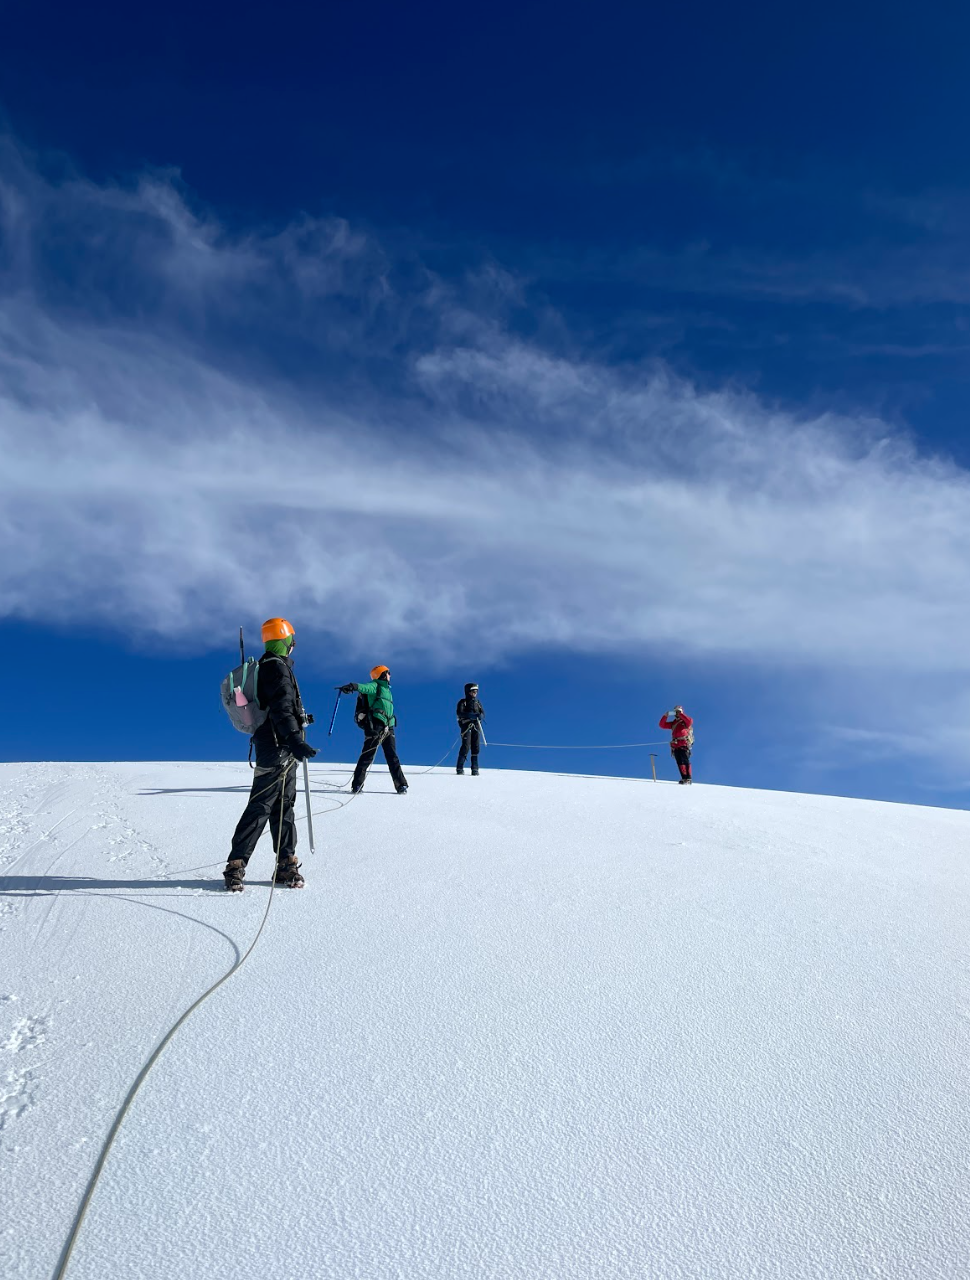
(376, 717)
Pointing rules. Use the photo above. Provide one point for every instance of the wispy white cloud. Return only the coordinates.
(477, 483)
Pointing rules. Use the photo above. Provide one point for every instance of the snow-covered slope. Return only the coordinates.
(517, 1026)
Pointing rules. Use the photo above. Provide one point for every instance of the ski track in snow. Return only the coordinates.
(524, 1027)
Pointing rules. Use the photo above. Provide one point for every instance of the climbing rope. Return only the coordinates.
(422, 772)
(68, 1249)
(611, 746)
(524, 746)
(69, 1244)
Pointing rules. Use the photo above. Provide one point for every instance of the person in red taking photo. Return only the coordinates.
(681, 740)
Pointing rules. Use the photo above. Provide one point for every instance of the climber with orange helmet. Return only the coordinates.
(279, 743)
(375, 715)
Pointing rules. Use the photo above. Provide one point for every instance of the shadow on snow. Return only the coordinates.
(32, 886)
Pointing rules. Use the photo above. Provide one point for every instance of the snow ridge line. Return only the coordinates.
(67, 1251)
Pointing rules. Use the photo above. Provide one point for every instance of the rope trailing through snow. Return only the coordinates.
(69, 1244)
(422, 772)
(68, 1249)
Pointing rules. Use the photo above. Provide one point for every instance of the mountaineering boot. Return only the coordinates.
(288, 873)
(474, 768)
(234, 875)
(460, 771)
(685, 782)
(402, 791)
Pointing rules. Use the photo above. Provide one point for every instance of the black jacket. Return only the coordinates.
(469, 709)
(279, 694)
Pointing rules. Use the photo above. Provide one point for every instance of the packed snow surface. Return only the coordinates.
(522, 1026)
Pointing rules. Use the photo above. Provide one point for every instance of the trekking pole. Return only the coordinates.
(334, 716)
(653, 764)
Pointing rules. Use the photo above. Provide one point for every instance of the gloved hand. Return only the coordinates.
(348, 688)
(303, 751)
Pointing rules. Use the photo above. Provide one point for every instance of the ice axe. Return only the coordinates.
(306, 787)
(334, 716)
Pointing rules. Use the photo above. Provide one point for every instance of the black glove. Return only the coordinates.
(303, 751)
(348, 688)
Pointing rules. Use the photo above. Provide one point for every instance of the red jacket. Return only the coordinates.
(679, 730)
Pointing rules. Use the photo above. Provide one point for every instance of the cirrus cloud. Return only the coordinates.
(199, 424)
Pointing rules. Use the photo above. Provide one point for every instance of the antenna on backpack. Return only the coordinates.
(242, 650)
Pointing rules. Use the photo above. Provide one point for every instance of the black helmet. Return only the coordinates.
(470, 689)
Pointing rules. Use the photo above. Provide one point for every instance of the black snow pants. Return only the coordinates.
(682, 756)
(470, 737)
(374, 737)
(271, 799)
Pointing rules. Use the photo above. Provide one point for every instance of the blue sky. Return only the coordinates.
(611, 358)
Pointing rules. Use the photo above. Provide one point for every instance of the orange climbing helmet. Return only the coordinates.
(277, 629)
(377, 672)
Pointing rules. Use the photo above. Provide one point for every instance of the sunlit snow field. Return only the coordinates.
(523, 1027)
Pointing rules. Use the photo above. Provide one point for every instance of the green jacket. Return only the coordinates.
(380, 701)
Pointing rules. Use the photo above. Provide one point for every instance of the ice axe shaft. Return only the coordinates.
(334, 716)
(309, 818)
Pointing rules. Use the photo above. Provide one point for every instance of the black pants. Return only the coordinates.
(372, 740)
(271, 799)
(470, 737)
(682, 756)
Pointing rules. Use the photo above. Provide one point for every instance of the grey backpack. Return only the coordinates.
(239, 697)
